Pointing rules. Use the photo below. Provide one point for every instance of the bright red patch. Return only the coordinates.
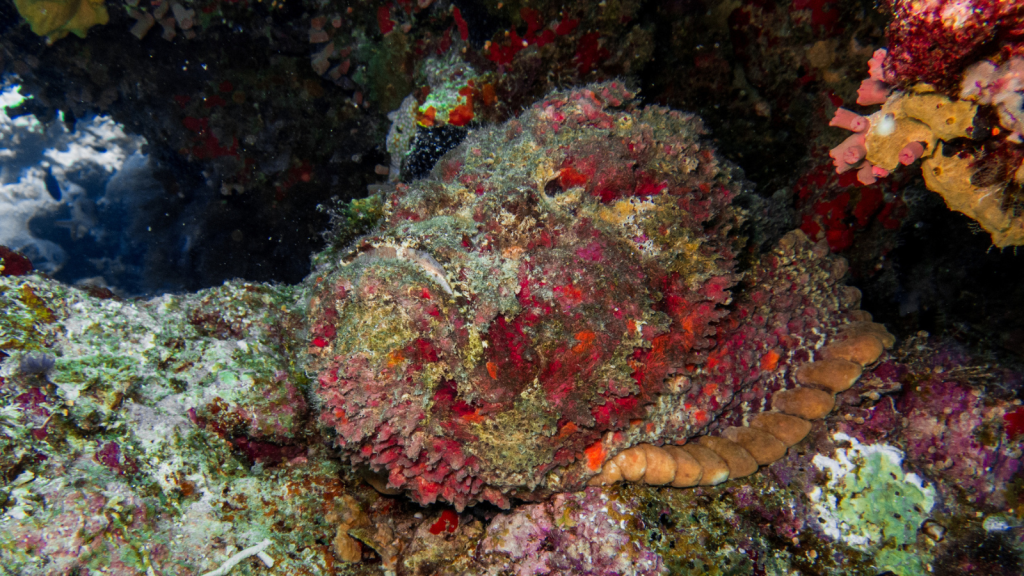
(596, 454)
(1014, 422)
(569, 429)
(870, 202)
(566, 26)
(569, 296)
(384, 19)
(589, 52)
(461, 115)
(569, 177)
(461, 24)
(448, 521)
(14, 264)
(586, 341)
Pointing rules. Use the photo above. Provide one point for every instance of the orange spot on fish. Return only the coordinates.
(569, 177)
(586, 339)
(770, 361)
(474, 417)
(700, 417)
(568, 430)
(492, 369)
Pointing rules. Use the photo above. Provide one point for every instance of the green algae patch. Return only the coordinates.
(871, 504)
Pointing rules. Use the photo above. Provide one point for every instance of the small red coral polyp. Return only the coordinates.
(567, 312)
(1014, 423)
(14, 264)
(448, 522)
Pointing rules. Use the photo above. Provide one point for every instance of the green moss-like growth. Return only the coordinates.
(348, 221)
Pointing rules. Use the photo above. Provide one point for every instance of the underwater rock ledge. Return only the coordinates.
(566, 286)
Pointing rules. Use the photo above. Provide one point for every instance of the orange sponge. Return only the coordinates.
(610, 474)
(661, 466)
(688, 469)
(857, 328)
(861, 316)
(632, 462)
(715, 469)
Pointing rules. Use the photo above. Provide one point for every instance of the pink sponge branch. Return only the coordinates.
(866, 174)
(849, 152)
(872, 91)
(850, 120)
(910, 153)
(875, 65)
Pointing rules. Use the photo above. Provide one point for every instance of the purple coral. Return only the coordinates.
(585, 533)
(948, 429)
(951, 430)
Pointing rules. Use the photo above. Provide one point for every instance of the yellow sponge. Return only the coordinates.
(56, 18)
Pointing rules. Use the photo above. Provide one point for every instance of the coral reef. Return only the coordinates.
(151, 415)
(168, 437)
(566, 304)
(591, 518)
